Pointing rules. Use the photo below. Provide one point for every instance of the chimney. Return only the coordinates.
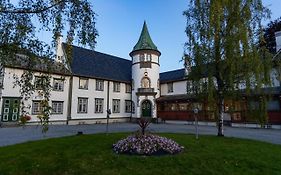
(59, 50)
(278, 40)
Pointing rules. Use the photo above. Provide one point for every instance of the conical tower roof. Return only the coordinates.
(145, 42)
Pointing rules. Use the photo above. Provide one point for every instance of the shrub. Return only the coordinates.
(24, 119)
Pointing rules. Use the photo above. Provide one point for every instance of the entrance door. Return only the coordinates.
(146, 108)
(10, 109)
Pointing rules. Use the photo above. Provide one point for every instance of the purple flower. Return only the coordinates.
(147, 144)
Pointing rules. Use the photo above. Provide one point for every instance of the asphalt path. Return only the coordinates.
(14, 135)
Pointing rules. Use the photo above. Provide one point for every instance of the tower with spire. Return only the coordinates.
(145, 75)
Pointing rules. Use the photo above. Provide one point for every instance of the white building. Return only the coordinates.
(91, 83)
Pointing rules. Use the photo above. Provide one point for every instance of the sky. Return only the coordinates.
(119, 23)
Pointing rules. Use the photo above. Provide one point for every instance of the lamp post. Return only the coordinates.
(196, 110)
(107, 119)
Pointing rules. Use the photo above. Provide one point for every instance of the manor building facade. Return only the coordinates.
(94, 83)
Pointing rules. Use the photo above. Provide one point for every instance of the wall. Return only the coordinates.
(179, 87)
(91, 93)
(137, 75)
(10, 91)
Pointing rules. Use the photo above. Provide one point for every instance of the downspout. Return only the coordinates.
(107, 105)
(132, 103)
(69, 99)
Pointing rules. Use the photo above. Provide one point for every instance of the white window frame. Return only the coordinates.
(57, 107)
(58, 84)
(170, 87)
(99, 105)
(128, 106)
(116, 105)
(116, 87)
(37, 108)
(99, 85)
(83, 86)
(37, 84)
(83, 102)
(128, 88)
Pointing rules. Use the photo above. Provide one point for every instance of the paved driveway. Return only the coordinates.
(9, 136)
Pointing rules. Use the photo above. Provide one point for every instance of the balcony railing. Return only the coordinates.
(146, 91)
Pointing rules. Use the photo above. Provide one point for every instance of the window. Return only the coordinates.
(133, 84)
(37, 107)
(148, 57)
(128, 106)
(98, 105)
(128, 88)
(273, 104)
(145, 82)
(189, 87)
(83, 83)
(39, 82)
(82, 105)
(116, 105)
(142, 57)
(170, 87)
(116, 87)
(57, 107)
(158, 84)
(58, 84)
(145, 60)
(99, 85)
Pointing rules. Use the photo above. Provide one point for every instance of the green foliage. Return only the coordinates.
(92, 154)
(28, 87)
(222, 45)
(269, 34)
(21, 21)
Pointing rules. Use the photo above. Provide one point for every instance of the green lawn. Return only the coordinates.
(92, 154)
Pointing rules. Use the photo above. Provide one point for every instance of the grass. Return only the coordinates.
(92, 154)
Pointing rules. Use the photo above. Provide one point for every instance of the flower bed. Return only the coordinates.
(147, 144)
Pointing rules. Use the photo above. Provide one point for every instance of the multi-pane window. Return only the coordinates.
(82, 105)
(133, 84)
(99, 85)
(37, 107)
(189, 87)
(116, 105)
(83, 83)
(148, 57)
(142, 57)
(128, 88)
(129, 106)
(170, 87)
(145, 57)
(39, 82)
(57, 107)
(98, 105)
(116, 87)
(58, 84)
(158, 84)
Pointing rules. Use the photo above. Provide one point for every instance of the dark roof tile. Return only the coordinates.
(89, 63)
(175, 75)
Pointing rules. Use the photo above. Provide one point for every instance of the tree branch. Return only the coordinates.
(30, 11)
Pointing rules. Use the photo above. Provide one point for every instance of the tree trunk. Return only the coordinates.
(221, 111)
